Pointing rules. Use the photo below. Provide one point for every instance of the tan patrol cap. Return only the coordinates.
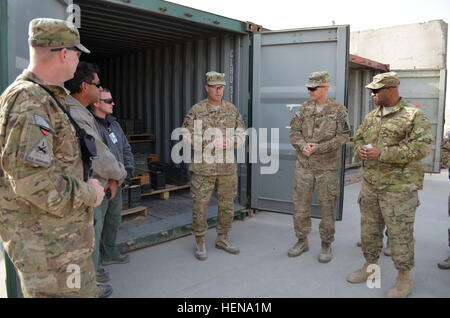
(384, 79)
(318, 78)
(214, 78)
(45, 32)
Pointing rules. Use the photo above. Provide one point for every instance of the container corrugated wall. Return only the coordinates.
(159, 85)
(359, 105)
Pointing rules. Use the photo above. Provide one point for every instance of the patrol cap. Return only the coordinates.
(384, 79)
(46, 32)
(214, 78)
(318, 78)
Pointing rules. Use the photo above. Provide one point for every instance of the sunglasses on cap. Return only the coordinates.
(68, 48)
(313, 89)
(107, 101)
(98, 85)
(376, 90)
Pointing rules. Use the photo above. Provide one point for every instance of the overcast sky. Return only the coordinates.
(360, 14)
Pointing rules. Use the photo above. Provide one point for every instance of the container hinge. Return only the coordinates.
(252, 27)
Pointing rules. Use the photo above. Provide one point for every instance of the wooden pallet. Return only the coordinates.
(142, 179)
(139, 209)
(140, 138)
(164, 193)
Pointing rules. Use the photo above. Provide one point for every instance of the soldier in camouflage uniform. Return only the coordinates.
(46, 221)
(318, 130)
(445, 162)
(217, 171)
(391, 141)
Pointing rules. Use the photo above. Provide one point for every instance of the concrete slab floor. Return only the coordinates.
(263, 269)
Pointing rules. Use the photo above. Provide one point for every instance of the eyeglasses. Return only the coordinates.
(312, 89)
(376, 90)
(107, 101)
(98, 85)
(68, 48)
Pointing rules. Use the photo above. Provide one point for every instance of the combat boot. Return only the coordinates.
(387, 250)
(325, 254)
(299, 247)
(223, 243)
(445, 264)
(403, 286)
(104, 290)
(359, 276)
(200, 253)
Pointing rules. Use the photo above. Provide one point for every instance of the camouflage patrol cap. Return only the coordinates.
(383, 79)
(318, 78)
(214, 78)
(45, 32)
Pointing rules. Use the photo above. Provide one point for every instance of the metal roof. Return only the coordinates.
(114, 27)
(361, 62)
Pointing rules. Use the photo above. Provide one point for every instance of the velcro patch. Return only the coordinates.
(298, 114)
(41, 122)
(40, 154)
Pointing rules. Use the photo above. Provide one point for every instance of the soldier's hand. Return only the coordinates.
(98, 190)
(369, 154)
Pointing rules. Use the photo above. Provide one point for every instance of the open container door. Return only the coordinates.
(282, 61)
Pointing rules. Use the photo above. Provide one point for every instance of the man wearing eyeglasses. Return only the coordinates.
(85, 87)
(391, 141)
(318, 130)
(116, 140)
(46, 219)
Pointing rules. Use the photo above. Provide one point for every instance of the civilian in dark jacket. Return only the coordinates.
(114, 137)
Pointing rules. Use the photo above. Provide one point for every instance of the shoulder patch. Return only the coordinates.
(41, 122)
(189, 116)
(40, 154)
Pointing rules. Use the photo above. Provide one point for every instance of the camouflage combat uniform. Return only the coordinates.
(46, 222)
(330, 130)
(205, 176)
(389, 190)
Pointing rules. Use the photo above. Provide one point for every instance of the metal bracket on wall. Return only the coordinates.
(252, 27)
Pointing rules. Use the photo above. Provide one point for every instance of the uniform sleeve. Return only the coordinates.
(128, 157)
(341, 137)
(416, 147)
(105, 164)
(358, 140)
(295, 134)
(189, 135)
(239, 136)
(445, 152)
(28, 163)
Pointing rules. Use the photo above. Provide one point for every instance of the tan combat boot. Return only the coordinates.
(359, 276)
(387, 250)
(325, 254)
(403, 286)
(200, 253)
(299, 247)
(223, 243)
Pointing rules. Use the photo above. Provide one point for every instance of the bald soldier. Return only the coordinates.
(318, 130)
(46, 220)
(391, 141)
(217, 171)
